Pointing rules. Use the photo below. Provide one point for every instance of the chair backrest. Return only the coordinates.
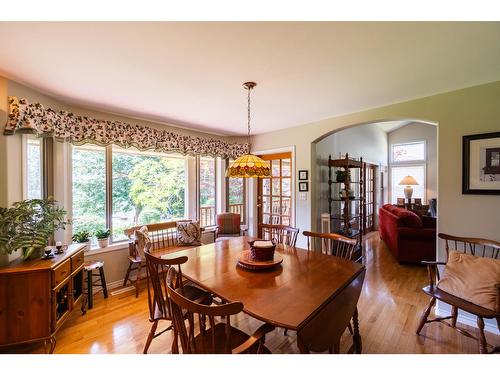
(228, 223)
(331, 244)
(281, 233)
(475, 246)
(184, 313)
(156, 272)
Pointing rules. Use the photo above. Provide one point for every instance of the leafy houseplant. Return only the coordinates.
(102, 237)
(340, 175)
(82, 236)
(29, 224)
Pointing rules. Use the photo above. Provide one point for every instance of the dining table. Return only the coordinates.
(308, 292)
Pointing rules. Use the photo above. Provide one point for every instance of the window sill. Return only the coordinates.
(113, 247)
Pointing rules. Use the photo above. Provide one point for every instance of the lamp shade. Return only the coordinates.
(408, 180)
(247, 166)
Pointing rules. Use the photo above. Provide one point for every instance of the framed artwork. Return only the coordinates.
(303, 186)
(303, 175)
(481, 164)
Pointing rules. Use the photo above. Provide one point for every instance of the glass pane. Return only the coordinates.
(266, 186)
(236, 196)
(266, 219)
(408, 152)
(285, 187)
(285, 167)
(276, 186)
(89, 189)
(398, 173)
(275, 165)
(34, 169)
(276, 208)
(266, 205)
(207, 191)
(148, 188)
(285, 203)
(285, 220)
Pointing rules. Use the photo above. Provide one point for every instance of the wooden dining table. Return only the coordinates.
(303, 293)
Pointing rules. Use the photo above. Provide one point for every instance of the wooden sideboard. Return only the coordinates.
(37, 296)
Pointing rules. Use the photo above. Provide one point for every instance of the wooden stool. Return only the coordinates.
(89, 267)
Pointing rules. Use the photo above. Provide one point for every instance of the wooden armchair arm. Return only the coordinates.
(259, 335)
(432, 270)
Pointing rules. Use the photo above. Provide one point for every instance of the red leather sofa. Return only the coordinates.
(410, 237)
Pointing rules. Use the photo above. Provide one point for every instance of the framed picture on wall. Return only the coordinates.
(303, 175)
(481, 164)
(303, 186)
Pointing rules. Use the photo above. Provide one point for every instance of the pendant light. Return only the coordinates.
(248, 166)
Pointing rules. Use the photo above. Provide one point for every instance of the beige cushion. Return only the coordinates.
(472, 278)
(188, 233)
(143, 240)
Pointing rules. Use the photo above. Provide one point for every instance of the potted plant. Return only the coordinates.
(82, 236)
(28, 225)
(102, 237)
(340, 175)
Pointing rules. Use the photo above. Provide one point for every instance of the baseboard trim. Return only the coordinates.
(110, 286)
(489, 324)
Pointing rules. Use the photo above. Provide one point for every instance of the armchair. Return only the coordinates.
(228, 225)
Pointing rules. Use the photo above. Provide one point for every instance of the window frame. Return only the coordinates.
(420, 161)
(108, 152)
(25, 140)
(424, 165)
(198, 190)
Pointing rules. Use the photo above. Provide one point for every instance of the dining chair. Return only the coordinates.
(283, 234)
(220, 337)
(331, 244)
(461, 270)
(158, 302)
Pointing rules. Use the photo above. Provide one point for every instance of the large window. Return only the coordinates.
(408, 159)
(207, 191)
(89, 188)
(236, 196)
(33, 187)
(146, 187)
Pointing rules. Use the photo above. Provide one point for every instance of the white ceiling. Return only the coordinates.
(190, 73)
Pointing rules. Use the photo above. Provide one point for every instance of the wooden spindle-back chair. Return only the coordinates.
(283, 234)
(331, 244)
(158, 302)
(219, 337)
(474, 246)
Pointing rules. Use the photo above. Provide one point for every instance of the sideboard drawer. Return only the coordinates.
(77, 260)
(61, 272)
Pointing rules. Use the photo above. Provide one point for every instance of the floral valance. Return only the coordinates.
(65, 126)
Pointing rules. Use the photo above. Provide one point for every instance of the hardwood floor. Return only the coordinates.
(389, 308)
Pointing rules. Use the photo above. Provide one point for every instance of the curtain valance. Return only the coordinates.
(65, 126)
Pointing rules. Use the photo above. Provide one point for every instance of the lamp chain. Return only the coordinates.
(249, 118)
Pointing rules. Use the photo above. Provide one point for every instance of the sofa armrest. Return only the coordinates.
(417, 234)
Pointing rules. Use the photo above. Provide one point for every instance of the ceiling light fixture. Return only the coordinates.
(248, 166)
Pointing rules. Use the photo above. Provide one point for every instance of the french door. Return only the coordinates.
(369, 203)
(274, 194)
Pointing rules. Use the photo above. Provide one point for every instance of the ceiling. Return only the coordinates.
(190, 73)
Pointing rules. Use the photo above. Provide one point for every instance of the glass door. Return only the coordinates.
(274, 199)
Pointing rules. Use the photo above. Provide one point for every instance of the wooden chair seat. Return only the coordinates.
(193, 293)
(203, 342)
(462, 304)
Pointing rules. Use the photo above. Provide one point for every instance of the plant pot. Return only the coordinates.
(87, 246)
(103, 242)
(32, 253)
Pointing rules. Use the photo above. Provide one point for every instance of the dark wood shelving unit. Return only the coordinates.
(346, 205)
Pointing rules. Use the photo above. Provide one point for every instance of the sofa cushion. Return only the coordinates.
(188, 233)
(408, 218)
(472, 278)
(389, 207)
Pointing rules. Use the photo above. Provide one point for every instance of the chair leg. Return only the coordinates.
(138, 280)
(150, 337)
(285, 332)
(90, 294)
(127, 274)
(454, 315)
(103, 282)
(483, 349)
(349, 327)
(425, 315)
(356, 336)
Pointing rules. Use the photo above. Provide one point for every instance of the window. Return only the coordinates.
(89, 188)
(207, 191)
(146, 187)
(406, 152)
(33, 187)
(236, 196)
(398, 173)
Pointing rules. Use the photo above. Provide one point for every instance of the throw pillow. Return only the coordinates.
(143, 240)
(472, 278)
(188, 233)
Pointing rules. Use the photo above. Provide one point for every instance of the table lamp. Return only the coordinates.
(408, 181)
